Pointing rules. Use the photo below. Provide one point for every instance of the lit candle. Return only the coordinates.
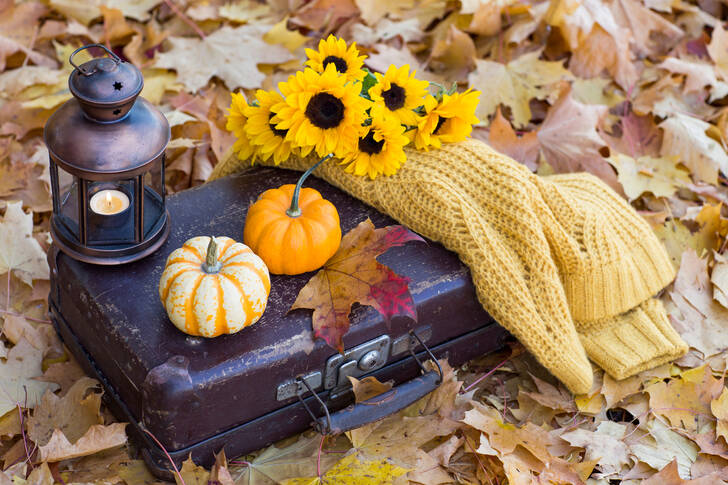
(109, 202)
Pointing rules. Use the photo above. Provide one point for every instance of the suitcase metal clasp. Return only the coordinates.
(377, 407)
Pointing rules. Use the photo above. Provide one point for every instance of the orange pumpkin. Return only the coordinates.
(292, 230)
(207, 292)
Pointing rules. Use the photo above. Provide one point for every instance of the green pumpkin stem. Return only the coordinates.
(294, 210)
(211, 264)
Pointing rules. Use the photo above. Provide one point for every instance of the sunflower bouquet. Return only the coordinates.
(336, 106)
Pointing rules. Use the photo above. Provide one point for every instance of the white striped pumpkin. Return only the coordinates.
(212, 289)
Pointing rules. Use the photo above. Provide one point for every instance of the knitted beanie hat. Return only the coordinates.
(562, 262)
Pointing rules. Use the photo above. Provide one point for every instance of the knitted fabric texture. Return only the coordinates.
(562, 262)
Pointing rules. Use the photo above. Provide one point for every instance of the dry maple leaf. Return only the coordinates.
(687, 138)
(17, 385)
(220, 475)
(87, 11)
(274, 464)
(669, 476)
(700, 320)
(192, 474)
(515, 84)
(19, 251)
(232, 54)
(719, 408)
(686, 400)
(605, 445)
(73, 413)
(354, 275)
(352, 470)
(17, 26)
(662, 446)
(97, 438)
(660, 176)
(570, 141)
(503, 138)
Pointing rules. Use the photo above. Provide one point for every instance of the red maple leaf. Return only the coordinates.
(353, 275)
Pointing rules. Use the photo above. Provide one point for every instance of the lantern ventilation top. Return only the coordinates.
(105, 87)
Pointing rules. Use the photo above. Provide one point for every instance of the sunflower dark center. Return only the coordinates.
(340, 63)
(394, 97)
(325, 110)
(276, 131)
(440, 122)
(369, 145)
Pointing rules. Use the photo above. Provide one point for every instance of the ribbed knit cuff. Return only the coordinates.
(612, 289)
(633, 341)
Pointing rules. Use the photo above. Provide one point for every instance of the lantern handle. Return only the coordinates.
(83, 71)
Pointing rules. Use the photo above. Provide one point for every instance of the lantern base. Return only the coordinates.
(111, 257)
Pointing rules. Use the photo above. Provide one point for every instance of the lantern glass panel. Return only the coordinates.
(110, 213)
(154, 195)
(67, 198)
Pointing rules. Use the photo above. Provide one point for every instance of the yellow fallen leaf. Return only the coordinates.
(351, 470)
(686, 400)
(719, 408)
(290, 39)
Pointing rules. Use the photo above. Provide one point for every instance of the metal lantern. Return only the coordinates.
(106, 148)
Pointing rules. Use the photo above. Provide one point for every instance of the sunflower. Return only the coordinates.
(236, 122)
(261, 128)
(380, 149)
(334, 51)
(321, 111)
(450, 120)
(398, 92)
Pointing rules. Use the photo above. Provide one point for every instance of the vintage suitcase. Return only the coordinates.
(245, 391)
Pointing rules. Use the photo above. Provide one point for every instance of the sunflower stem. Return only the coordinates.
(294, 210)
(211, 264)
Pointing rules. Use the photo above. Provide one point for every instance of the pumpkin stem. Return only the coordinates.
(211, 264)
(294, 210)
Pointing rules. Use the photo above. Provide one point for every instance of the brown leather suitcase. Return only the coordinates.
(247, 390)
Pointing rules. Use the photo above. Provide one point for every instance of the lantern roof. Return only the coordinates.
(104, 151)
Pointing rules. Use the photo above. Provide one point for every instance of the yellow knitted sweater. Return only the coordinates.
(562, 262)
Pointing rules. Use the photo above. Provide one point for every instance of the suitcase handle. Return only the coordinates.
(380, 406)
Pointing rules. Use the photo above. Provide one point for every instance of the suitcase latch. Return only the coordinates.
(356, 361)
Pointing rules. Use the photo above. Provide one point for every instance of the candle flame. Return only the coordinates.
(108, 199)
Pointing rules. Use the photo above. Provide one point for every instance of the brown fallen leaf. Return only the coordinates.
(41, 476)
(719, 408)
(368, 387)
(72, 414)
(354, 275)
(669, 476)
(686, 400)
(17, 25)
(232, 54)
(220, 475)
(503, 138)
(699, 319)
(23, 363)
(98, 437)
(515, 84)
(557, 398)
(604, 445)
(570, 142)
(192, 474)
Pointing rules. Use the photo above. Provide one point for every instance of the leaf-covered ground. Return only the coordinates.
(632, 91)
